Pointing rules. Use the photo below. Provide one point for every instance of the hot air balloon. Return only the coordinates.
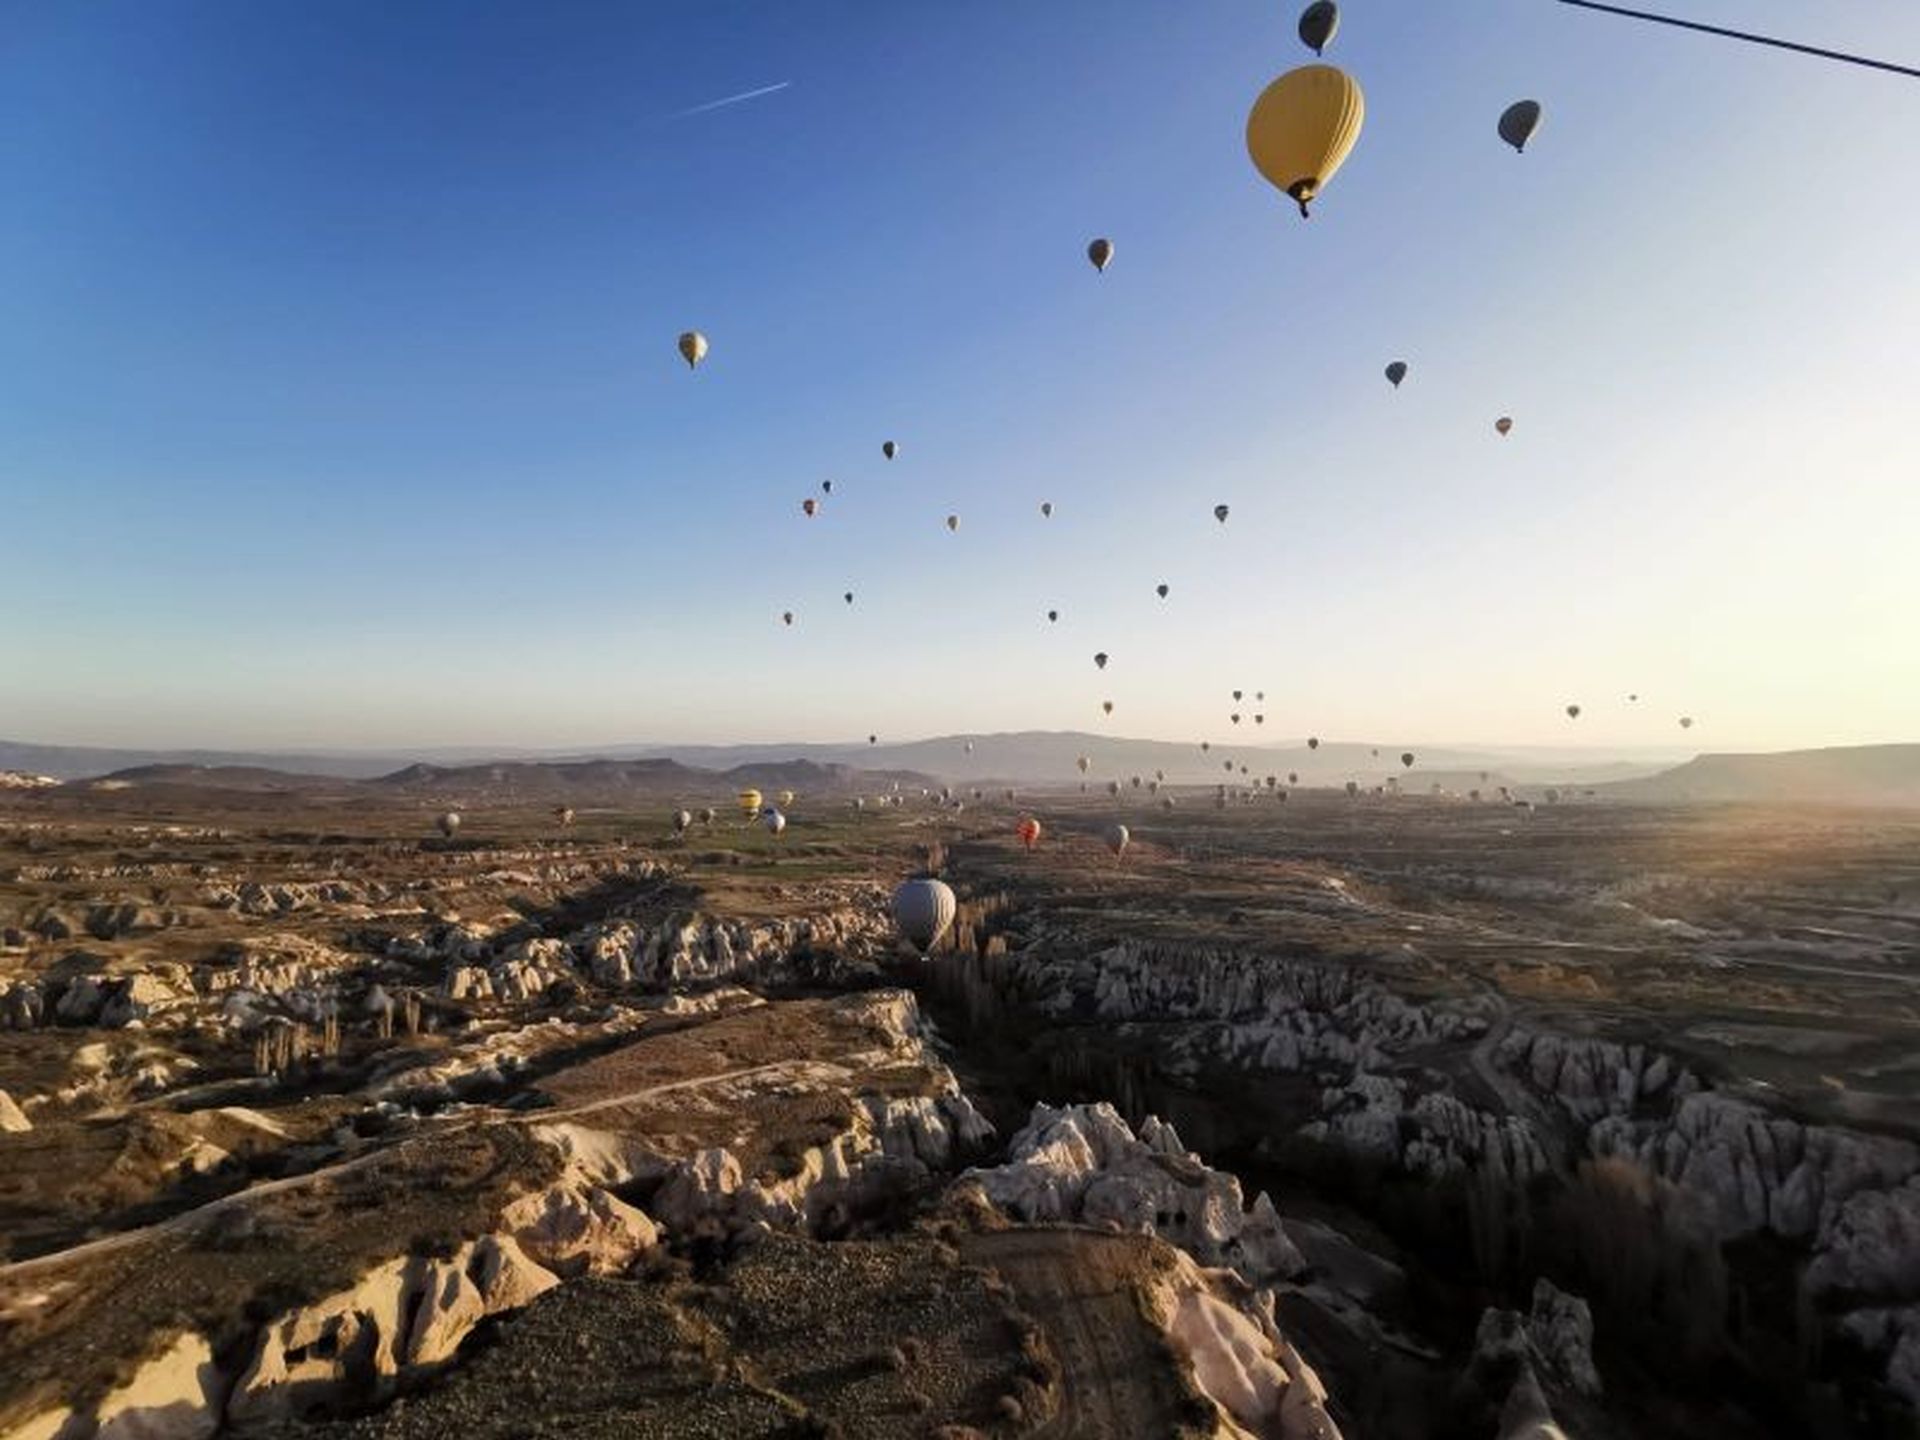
(1353, 788)
(1029, 832)
(1313, 742)
(693, 348)
(706, 815)
(923, 909)
(449, 824)
(1046, 509)
(848, 597)
(1235, 717)
(1518, 122)
(1319, 23)
(749, 802)
(1084, 763)
(1302, 127)
(1406, 758)
(1504, 424)
(564, 814)
(1220, 513)
(1161, 591)
(1166, 802)
(809, 506)
(681, 820)
(1100, 660)
(1227, 765)
(1100, 252)
(786, 797)
(1633, 697)
(873, 739)
(826, 487)
(773, 820)
(1159, 774)
(1259, 719)
(953, 522)
(889, 449)
(1205, 745)
(1113, 787)
(1134, 780)
(1686, 723)
(1573, 712)
(786, 617)
(859, 802)
(1116, 837)
(1236, 694)
(1293, 777)
(1106, 706)
(1052, 616)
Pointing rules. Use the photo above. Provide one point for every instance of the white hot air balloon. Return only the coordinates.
(923, 909)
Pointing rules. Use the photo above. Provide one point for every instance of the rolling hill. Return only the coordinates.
(1880, 775)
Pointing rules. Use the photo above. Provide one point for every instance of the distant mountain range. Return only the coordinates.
(1860, 775)
(1023, 757)
(515, 782)
(1856, 775)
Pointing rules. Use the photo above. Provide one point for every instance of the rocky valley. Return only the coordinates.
(1380, 1117)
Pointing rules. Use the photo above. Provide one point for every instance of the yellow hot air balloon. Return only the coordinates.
(1303, 126)
(786, 797)
(749, 801)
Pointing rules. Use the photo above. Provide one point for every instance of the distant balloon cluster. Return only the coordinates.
(1300, 130)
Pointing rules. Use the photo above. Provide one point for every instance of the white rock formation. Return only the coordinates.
(175, 1396)
(404, 1317)
(1084, 1163)
(139, 997)
(1592, 1078)
(1438, 1134)
(13, 1120)
(575, 1228)
(1762, 1171)
(1260, 1384)
(468, 982)
(1870, 1246)
(699, 950)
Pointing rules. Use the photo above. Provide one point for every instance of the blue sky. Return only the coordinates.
(339, 402)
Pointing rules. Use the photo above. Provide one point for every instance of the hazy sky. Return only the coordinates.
(339, 401)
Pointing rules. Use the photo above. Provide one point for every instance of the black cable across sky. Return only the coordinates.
(1705, 29)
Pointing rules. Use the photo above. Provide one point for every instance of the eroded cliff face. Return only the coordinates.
(1259, 1383)
(897, 1121)
(1085, 1164)
(1851, 1198)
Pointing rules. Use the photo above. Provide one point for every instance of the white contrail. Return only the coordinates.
(730, 100)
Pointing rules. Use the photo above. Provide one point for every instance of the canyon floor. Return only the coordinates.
(1303, 1117)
